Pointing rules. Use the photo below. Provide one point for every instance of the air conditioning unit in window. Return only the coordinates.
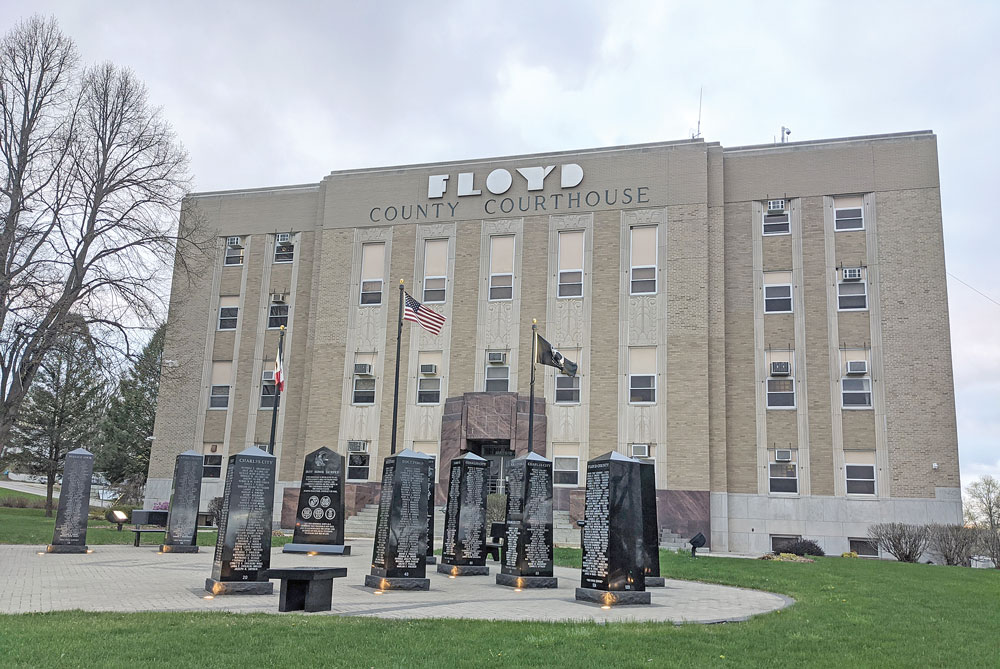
(781, 368)
(268, 376)
(429, 369)
(783, 455)
(640, 450)
(775, 206)
(278, 298)
(357, 446)
(857, 367)
(283, 237)
(852, 274)
(496, 357)
(362, 369)
(233, 241)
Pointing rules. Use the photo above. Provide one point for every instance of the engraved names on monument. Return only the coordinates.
(70, 535)
(182, 520)
(243, 548)
(319, 517)
(527, 560)
(399, 553)
(613, 552)
(464, 549)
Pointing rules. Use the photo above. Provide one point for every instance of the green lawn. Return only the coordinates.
(848, 613)
(30, 526)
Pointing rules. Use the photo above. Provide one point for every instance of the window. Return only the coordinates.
(435, 270)
(776, 223)
(567, 389)
(429, 390)
(784, 477)
(781, 542)
(848, 219)
(860, 479)
(497, 378)
(864, 548)
(570, 264)
(781, 393)
(778, 299)
(642, 280)
(267, 389)
(372, 273)
(277, 316)
(219, 397)
(358, 461)
(229, 312)
(501, 267)
(856, 393)
(565, 470)
(212, 467)
(364, 390)
(642, 375)
(852, 295)
(284, 251)
(234, 253)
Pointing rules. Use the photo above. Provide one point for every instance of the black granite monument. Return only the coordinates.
(650, 527)
(431, 484)
(613, 546)
(463, 552)
(70, 535)
(243, 549)
(182, 519)
(527, 558)
(319, 519)
(400, 552)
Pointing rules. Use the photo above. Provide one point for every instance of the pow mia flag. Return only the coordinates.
(546, 354)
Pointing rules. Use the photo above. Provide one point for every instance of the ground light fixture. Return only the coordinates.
(697, 541)
(116, 516)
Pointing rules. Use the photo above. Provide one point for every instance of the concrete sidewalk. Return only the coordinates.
(125, 578)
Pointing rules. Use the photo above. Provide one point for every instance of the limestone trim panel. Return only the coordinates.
(498, 322)
(759, 356)
(568, 324)
(833, 334)
(882, 474)
(259, 363)
(801, 371)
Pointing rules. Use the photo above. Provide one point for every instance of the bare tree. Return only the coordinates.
(94, 178)
(982, 510)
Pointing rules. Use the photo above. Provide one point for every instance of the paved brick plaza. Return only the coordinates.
(125, 578)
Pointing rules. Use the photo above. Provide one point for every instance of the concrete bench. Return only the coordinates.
(306, 588)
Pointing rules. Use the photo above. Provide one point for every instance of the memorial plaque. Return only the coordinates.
(70, 534)
(182, 520)
(319, 519)
(613, 552)
(243, 548)
(400, 551)
(527, 558)
(465, 518)
(650, 527)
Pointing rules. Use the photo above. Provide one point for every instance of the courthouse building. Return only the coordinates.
(767, 324)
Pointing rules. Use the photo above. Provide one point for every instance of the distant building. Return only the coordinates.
(768, 324)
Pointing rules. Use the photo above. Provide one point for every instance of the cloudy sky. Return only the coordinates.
(267, 93)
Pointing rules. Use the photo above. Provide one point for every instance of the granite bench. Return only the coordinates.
(306, 588)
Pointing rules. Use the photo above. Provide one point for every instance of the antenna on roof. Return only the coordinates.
(697, 133)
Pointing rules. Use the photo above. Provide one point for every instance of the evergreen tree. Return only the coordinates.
(128, 422)
(62, 411)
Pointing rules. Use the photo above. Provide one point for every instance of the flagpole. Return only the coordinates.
(531, 391)
(395, 392)
(277, 393)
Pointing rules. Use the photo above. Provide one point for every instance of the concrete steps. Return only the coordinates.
(362, 524)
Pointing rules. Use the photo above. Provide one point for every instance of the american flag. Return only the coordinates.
(418, 313)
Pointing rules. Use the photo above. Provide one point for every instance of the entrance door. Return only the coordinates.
(497, 453)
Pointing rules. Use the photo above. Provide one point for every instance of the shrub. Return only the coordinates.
(955, 543)
(849, 554)
(989, 544)
(23, 502)
(904, 542)
(161, 506)
(803, 547)
(496, 508)
(215, 508)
